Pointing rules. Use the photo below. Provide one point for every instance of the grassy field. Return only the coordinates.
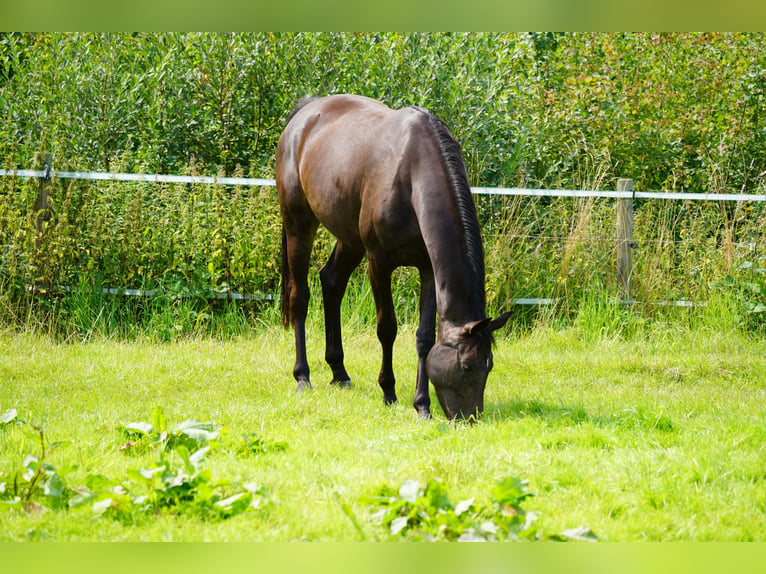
(657, 437)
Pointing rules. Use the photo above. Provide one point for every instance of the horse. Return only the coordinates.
(391, 185)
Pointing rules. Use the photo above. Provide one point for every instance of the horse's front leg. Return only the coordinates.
(425, 339)
(334, 277)
(380, 280)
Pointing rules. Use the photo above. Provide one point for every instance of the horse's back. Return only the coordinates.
(349, 159)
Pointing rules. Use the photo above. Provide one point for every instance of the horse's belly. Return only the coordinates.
(339, 213)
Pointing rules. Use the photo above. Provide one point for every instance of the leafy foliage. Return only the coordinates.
(424, 512)
(188, 434)
(178, 482)
(183, 487)
(672, 111)
(37, 479)
(748, 286)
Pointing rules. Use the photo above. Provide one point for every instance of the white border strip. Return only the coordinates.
(511, 191)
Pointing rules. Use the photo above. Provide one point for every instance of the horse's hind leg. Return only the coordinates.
(334, 276)
(299, 235)
(380, 279)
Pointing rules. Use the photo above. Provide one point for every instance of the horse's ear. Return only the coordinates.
(488, 324)
(476, 327)
(495, 324)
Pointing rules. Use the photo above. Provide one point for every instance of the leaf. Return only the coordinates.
(142, 428)
(463, 506)
(581, 533)
(437, 497)
(54, 486)
(149, 473)
(30, 462)
(32, 434)
(398, 524)
(227, 502)
(101, 506)
(379, 516)
(192, 424)
(510, 491)
(489, 527)
(199, 435)
(8, 416)
(183, 452)
(235, 504)
(196, 457)
(82, 499)
(409, 490)
(159, 420)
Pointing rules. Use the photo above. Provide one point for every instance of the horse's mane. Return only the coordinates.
(299, 106)
(458, 180)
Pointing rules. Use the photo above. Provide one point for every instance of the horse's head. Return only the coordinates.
(458, 366)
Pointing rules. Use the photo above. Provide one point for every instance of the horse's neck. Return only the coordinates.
(457, 299)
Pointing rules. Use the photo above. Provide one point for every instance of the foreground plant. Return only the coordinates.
(38, 479)
(178, 483)
(190, 433)
(424, 512)
(178, 487)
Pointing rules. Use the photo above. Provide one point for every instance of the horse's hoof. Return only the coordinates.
(303, 386)
(424, 414)
(341, 384)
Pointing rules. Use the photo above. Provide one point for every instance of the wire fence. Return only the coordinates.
(476, 190)
(625, 194)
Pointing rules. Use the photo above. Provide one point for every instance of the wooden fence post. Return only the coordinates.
(625, 238)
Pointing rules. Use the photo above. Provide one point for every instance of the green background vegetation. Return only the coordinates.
(674, 112)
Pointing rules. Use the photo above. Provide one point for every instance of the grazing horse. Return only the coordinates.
(391, 184)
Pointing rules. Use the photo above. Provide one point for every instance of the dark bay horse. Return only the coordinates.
(391, 184)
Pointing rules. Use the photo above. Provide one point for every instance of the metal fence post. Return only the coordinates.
(625, 238)
(43, 161)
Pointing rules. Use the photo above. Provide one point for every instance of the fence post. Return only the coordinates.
(624, 238)
(43, 161)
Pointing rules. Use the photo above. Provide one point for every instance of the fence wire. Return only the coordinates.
(566, 259)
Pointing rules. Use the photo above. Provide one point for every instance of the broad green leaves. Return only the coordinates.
(179, 482)
(425, 512)
(747, 286)
(673, 111)
(187, 434)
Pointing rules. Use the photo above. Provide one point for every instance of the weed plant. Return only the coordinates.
(540, 110)
(192, 246)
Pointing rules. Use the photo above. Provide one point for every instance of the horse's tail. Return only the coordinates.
(287, 284)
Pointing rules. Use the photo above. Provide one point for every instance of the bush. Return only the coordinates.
(675, 112)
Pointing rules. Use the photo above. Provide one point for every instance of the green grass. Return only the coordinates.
(655, 437)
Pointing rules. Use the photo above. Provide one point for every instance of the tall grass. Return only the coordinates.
(191, 244)
(529, 110)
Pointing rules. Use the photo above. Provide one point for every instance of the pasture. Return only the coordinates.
(654, 436)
